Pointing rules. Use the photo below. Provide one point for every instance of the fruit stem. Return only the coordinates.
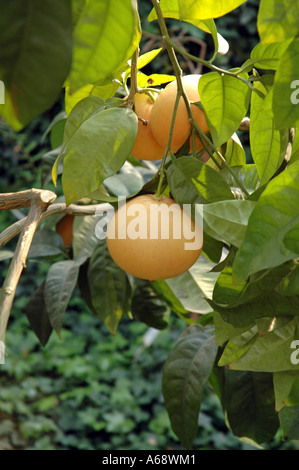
(204, 137)
(210, 66)
(168, 147)
(180, 90)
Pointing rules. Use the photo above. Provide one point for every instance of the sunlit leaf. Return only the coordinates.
(105, 37)
(225, 100)
(277, 20)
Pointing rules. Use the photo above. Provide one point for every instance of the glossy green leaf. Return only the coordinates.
(227, 220)
(275, 214)
(269, 352)
(97, 150)
(35, 56)
(37, 315)
(266, 56)
(185, 374)
(104, 90)
(171, 9)
(248, 401)
(149, 307)
(191, 181)
(268, 145)
(289, 422)
(235, 153)
(105, 37)
(81, 111)
(247, 174)
(193, 286)
(109, 287)
(283, 382)
(205, 9)
(59, 285)
(277, 20)
(285, 90)
(188, 10)
(295, 147)
(45, 243)
(225, 100)
(84, 236)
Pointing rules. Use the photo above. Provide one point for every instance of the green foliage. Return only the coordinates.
(34, 73)
(239, 302)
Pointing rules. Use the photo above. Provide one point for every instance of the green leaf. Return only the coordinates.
(81, 111)
(193, 286)
(226, 292)
(285, 90)
(105, 37)
(275, 214)
(289, 422)
(248, 400)
(295, 147)
(225, 100)
(147, 57)
(266, 56)
(37, 315)
(34, 73)
(267, 352)
(45, 243)
(191, 181)
(286, 385)
(149, 307)
(109, 287)
(188, 10)
(277, 20)
(268, 145)
(84, 236)
(163, 288)
(247, 174)
(235, 153)
(59, 285)
(170, 9)
(205, 9)
(6, 254)
(289, 285)
(103, 90)
(227, 220)
(97, 150)
(185, 374)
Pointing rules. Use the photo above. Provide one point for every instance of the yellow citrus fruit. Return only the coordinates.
(162, 111)
(145, 146)
(153, 238)
(65, 229)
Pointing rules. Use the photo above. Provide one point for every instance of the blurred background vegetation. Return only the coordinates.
(88, 389)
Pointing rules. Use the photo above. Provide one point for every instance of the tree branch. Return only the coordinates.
(39, 202)
(59, 208)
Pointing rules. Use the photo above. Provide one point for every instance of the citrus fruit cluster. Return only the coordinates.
(155, 115)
